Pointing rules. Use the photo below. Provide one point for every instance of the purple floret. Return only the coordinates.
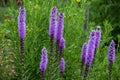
(21, 22)
(60, 26)
(98, 37)
(62, 43)
(62, 65)
(111, 52)
(53, 22)
(84, 50)
(90, 48)
(44, 60)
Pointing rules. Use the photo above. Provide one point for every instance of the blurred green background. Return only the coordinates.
(101, 12)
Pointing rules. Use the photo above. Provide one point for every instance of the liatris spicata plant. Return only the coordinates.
(43, 62)
(62, 46)
(52, 27)
(111, 57)
(83, 56)
(98, 37)
(62, 66)
(89, 53)
(59, 32)
(22, 34)
(97, 41)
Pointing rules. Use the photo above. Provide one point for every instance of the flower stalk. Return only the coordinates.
(111, 57)
(90, 53)
(22, 35)
(43, 62)
(62, 67)
(52, 29)
(97, 40)
(83, 55)
(62, 46)
(59, 32)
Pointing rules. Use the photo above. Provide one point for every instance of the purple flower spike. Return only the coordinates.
(90, 48)
(60, 26)
(62, 43)
(84, 50)
(111, 52)
(98, 37)
(53, 22)
(21, 22)
(44, 60)
(62, 65)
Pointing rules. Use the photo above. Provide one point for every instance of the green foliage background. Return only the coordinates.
(37, 37)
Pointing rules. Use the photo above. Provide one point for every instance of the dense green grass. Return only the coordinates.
(37, 37)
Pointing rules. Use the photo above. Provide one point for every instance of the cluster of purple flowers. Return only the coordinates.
(56, 26)
(56, 32)
(56, 29)
(88, 49)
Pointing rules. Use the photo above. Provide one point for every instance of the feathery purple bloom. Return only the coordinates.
(21, 22)
(44, 60)
(111, 52)
(84, 50)
(53, 22)
(98, 37)
(62, 43)
(62, 65)
(90, 48)
(60, 26)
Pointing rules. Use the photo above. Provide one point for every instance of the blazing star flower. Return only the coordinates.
(21, 23)
(53, 21)
(84, 50)
(44, 60)
(62, 65)
(98, 37)
(90, 48)
(111, 52)
(60, 26)
(62, 43)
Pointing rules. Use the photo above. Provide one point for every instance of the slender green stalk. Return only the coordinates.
(22, 56)
(110, 71)
(86, 72)
(42, 75)
(82, 68)
(50, 57)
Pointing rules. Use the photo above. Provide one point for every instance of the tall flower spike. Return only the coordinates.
(60, 26)
(111, 52)
(84, 49)
(90, 53)
(83, 56)
(90, 48)
(61, 47)
(62, 43)
(53, 21)
(21, 22)
(44, 60)
(62, 65)
(98, 37)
